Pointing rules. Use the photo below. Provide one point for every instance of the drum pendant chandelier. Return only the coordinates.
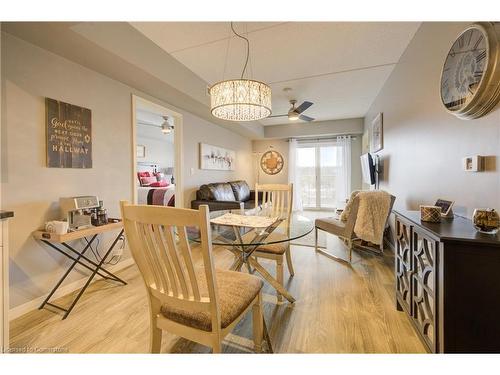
(240, 99)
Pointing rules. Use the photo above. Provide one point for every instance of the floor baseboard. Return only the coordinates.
(17, 311)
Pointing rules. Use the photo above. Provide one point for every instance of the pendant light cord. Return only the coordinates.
(248, 48)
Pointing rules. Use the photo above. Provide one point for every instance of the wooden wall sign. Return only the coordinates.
(69, 135)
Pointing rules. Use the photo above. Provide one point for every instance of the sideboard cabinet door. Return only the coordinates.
(403, 264)
(424, 297)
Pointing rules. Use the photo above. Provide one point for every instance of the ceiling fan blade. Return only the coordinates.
(301, 108)
(277, 115)
(305, 118)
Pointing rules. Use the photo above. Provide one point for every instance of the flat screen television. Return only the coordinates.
(368, 169)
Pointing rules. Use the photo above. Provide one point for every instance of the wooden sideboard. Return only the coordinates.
(448, 283)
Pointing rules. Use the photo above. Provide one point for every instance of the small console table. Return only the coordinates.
(448, 283)
(60, 243)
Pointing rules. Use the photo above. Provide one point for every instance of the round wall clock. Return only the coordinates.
(470, 80)
(271, 162)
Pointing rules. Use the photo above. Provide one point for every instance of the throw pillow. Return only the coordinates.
(146, 181)
(159, 184)
(347, 210)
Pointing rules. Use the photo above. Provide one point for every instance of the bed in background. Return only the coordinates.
(153, 186)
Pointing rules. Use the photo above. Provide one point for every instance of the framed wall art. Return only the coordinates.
(216, 158)
(69, 135)
(377, 134)
(141, 151)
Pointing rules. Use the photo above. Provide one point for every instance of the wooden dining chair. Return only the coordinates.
(202, 305)
(277, 200)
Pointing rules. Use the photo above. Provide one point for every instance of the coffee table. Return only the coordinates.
(242, 240)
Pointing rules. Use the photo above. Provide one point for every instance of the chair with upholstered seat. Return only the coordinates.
(202, 305)
(277, 200)
(343, 230)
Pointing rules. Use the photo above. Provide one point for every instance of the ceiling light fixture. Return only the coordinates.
(167, 125)
(240, 99)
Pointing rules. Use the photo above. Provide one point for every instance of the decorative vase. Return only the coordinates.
(430, 214)
(486, 220)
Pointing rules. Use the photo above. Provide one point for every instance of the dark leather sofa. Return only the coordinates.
(225, 196)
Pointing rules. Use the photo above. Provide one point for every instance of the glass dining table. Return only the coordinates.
(244, 232)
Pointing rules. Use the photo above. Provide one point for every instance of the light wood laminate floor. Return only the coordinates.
(339, 309)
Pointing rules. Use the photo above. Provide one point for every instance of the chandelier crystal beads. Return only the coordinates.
(240, 99)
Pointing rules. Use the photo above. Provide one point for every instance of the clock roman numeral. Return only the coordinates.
(460, 41)
(470, 37)
(477, 42)
(481, 56)
(478, 74)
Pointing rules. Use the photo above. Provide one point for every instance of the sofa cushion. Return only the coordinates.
(241, 190)
(220, 191)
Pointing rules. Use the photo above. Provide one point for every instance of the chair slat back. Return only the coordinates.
(159, 244)
(277, 199)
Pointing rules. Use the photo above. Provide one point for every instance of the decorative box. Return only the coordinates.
(430, 213)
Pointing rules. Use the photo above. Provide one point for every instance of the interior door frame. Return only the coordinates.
(178, 146)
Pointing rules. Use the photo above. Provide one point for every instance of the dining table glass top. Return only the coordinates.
(236, 232)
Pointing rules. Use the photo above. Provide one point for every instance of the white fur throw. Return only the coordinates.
(372, 216)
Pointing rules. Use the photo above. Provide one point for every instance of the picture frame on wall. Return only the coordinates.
(141, 151)
(377, 133)
(216, 158)
(68, 135)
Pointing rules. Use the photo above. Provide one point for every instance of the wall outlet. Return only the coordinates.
(192, 171)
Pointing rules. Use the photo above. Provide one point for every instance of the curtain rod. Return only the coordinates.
(327, 138)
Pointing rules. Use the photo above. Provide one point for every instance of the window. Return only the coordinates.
(318, 170)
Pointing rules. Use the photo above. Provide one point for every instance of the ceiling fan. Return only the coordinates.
(295, 113)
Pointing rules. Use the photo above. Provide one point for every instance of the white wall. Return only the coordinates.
(159, 148)
(423, 144)
(197, 130)
(32, 191)
(259, 147)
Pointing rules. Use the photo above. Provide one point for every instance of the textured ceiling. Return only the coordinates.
(340, 66)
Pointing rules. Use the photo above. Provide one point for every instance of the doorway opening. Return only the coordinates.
(157, 150)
